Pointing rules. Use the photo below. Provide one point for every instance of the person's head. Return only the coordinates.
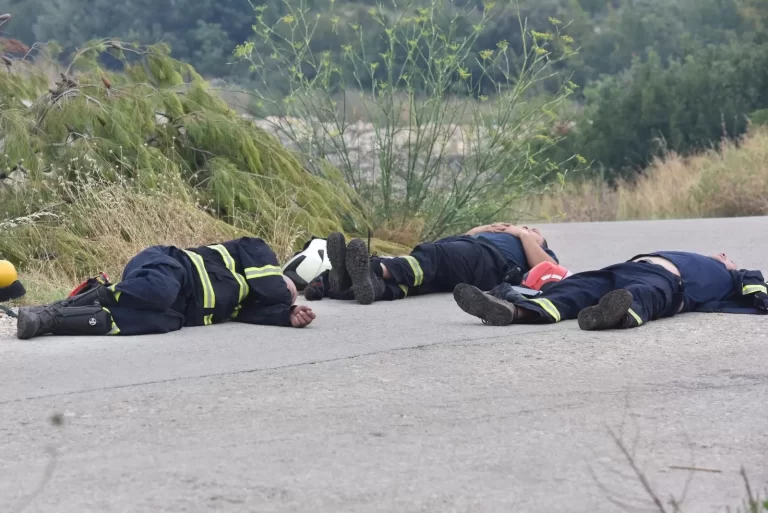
(292, 288)
(727, 262)
(539, 237)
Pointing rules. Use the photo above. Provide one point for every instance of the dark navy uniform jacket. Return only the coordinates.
(238, 279)
(512, 249)
(708, 286)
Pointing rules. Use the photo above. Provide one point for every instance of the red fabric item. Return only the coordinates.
(545, 272)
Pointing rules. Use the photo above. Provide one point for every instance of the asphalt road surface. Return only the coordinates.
(407, 406)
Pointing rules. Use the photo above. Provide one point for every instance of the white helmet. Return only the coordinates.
(308, 264)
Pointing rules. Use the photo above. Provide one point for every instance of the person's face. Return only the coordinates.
(291, 287)
(536, 233)
(723, 258)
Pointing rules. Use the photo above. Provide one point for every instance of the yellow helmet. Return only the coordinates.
(8, 274)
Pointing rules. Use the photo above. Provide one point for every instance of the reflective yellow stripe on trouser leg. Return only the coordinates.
(115, 293)
(418, 272)
(209, 297)
(115, 330)
(548, 307)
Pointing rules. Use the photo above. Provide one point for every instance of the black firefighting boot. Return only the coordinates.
(97, 295)
(612, 312)
(57, 320)
(339, 278)
(492, 310)
(367, 282)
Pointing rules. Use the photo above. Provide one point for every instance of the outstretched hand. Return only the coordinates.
(302, 316)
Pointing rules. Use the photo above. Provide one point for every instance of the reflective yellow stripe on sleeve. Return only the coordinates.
(209, 297)
(751, 289)
(262, 272)
(404, 288)
(230, 263)
(548, 307)
(418, 272)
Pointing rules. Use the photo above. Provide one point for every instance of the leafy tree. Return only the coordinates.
(686, 107)
(755, 12)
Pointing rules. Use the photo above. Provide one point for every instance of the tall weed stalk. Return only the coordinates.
(448, 164)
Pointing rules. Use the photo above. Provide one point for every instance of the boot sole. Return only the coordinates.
(337, 255)
(608, 313)
(358, 267)
(474, 301)
(26, 327)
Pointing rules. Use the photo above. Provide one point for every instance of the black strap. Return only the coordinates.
(8, 311)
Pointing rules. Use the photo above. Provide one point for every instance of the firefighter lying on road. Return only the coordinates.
(165, 288)
(484, 257)
(629, 294)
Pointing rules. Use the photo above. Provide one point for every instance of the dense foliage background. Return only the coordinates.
(416, 119)
(654, 75)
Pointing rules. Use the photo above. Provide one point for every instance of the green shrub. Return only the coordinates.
(450, 164)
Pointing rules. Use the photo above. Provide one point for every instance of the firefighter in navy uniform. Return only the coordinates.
(627, 295)
(165, 288)
(484, 257)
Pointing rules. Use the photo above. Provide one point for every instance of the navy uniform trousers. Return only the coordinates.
(152, 293)
(441, 265)
(657, 293)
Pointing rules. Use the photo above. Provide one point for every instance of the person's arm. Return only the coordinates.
(253, 312)
(495, 227)
(534, 253)
(749, 295)
(263, 273)
(478, 229)
(751, 282)
(270, 301)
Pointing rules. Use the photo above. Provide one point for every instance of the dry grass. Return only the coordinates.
(103, 225)
(406, 235)
(101, 231)
(95, 225)
(726, 183)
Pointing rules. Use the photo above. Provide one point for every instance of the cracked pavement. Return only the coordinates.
(406, 406)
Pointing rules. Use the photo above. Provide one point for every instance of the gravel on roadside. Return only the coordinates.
(7, 324)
